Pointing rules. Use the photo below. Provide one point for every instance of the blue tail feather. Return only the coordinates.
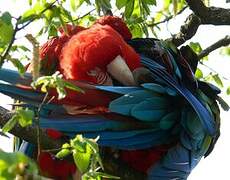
(204, 115)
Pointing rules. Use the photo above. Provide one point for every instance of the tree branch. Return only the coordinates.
(201, 15)
(29, 134)
(187, 31)
(209, 15)
(222, 42)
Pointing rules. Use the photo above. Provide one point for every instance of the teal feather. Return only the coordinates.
(13, 77)
(154, 87)
(124, 104)
(168, 120)
(145, 111)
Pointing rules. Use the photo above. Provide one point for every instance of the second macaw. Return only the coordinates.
(141, 98)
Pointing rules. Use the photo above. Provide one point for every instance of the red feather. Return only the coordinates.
(55, 168)
(117, 24)
(94, 47)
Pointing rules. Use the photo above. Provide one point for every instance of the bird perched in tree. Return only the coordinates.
(153, 109)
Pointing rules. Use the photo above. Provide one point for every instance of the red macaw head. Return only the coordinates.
(51, 50)
(117, 24)
(93, 55)
(97, 53)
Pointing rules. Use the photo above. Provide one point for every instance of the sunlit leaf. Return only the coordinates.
(6, 27)
(78, 3)
(107, 176)
(72, 86)
(129, 8)
(63, 153)
(199, 74)
(73, 5)
(195, 47)
(228, 91)
(13, 164)
(25, 117)
(30, 2)
(150, 2)
(217, 80)
(106, 4)
(121, 3)
(18, 65)
(27, 16)
(10, 124)
(175, 6)
(83, 155)
(225, 51)
(136, 31)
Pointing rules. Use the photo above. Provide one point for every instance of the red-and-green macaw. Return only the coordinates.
(141, 97)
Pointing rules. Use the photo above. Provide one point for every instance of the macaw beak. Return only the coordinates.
(120, 71)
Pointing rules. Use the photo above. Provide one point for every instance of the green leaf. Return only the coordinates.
(199, 74)
(6, 27)
(129, 8)
(52, 31)
(72, 87)
(6, 17)
(18, 65)
(121, 3)
(79, 3)
(146, 8)
(195, 47)
(217, 79)
(150, 2)
(10, 124)
(166, 4)
(63, 153)
(73, 5)
(105, 175)
(136, 30)
(20, 47)
(13, 164)
(82, 159)
(66, 150)
(34, 12)
(228, 91)
(225, 51)
(175, 6)
(27, 16)
(106, 4)
(55, 81)
(30, 2)
(25, 117)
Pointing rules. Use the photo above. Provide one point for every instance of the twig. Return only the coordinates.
(84, 15)
(213, 70)
(222, 42)
(33, 19)
(38, 123)
(168, 18)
